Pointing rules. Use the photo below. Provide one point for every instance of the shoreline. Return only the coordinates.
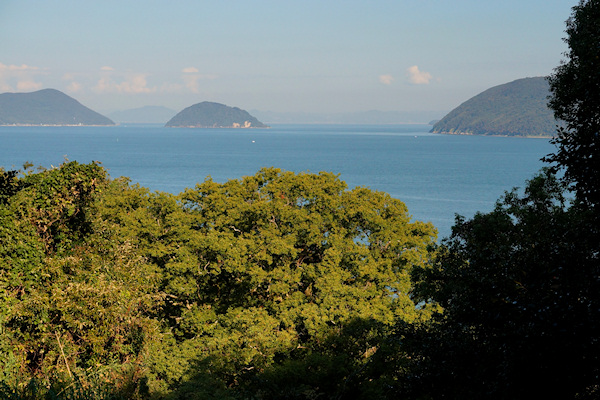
(455, 133)
(56, 125)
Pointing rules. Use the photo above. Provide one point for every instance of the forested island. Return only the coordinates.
(46, 107)
(517, 108)
(214, 115)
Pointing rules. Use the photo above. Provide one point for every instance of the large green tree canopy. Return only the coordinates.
(215, 290)
(575, 99)
(519, 286)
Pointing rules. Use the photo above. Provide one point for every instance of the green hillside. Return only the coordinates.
(214, 115)
(46, 107)
(517, 108)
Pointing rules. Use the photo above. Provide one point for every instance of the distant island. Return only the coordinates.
(517, 108)
(214, 115)
(46, 107)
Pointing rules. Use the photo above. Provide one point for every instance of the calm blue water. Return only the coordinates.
(435, 175)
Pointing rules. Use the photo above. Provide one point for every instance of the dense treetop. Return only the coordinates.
(575, 86)
(46, 107)
(217, 288)
(214, 115)
(517, 108)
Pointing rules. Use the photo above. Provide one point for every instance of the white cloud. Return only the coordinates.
(28, 85)
(191, 83)
(418, 77)
(74, 87)
(136, 84)
(191, 79)
(20, 77)
(107, 68)
(23, 67)
(386, 79)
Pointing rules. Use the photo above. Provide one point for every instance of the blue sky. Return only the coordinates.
(309, 56)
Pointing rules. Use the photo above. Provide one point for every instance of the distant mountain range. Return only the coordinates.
(517, 108)
(46, 107)
(147, 115)
(214, 115)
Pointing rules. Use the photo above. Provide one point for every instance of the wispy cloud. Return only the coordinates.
(386, 79)
(103, 80)
(28, 85)
(418, 77)
(74, 87)
(191, 78)
(134, 84)
(19, 77)
(191, 83)
(22, 67)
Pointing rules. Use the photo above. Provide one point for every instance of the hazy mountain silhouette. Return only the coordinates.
(46, 107)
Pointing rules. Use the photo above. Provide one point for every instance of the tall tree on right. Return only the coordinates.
(575, 99)
(520, 286)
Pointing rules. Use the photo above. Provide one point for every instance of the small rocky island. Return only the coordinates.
(214, 115)
(47, 107)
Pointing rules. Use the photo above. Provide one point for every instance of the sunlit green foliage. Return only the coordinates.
(71, 299)
(226, 289)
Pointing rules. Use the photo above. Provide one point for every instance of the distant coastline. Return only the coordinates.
(465, 133)
(59, 125)
(220, 127)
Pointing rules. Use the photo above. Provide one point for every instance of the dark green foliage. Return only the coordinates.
(9, 185)
(513, 109)
(103, 386)
(575, 87)
(519, 287)
(213, 115)
(46, 107)
(355, 361)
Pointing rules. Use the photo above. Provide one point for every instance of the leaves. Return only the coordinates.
(218, 285)
(518, 288)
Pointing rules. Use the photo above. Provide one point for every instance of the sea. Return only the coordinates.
(436, 176)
